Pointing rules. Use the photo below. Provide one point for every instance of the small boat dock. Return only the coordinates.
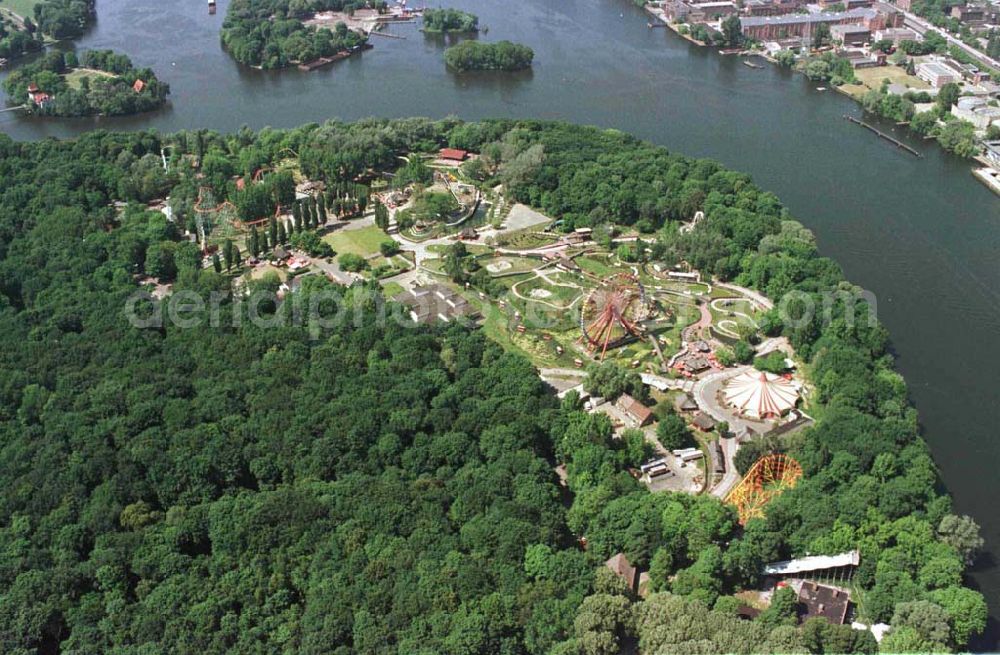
(896, 142)
(316, 64)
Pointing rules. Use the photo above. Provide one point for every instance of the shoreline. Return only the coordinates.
(988, 174)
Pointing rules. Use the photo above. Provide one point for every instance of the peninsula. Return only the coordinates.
(201, 454)
(272, 34)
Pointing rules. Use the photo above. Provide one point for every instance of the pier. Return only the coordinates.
(896, 142)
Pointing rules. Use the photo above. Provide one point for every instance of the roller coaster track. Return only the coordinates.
(766, 479)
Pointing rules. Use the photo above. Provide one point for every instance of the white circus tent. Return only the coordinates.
(761, 395)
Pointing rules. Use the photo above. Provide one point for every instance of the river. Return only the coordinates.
(922, 234)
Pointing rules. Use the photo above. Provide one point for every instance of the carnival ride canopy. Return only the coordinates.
(758, 394)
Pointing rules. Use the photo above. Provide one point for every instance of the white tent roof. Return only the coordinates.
(758, 394)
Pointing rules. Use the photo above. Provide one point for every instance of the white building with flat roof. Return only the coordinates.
(977, 111)
(937, 73)
(897, 35)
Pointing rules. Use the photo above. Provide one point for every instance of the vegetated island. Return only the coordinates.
(49, 20)
(254, 482)
(498, 56)
(97, 82)
(443, 21)
(272, 34)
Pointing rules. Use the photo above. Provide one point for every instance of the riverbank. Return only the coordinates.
(921, 235)
(323, 62)
(862, 77)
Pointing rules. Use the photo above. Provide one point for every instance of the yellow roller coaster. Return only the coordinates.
(768, 477)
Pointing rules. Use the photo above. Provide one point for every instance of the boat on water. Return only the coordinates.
(747, 62)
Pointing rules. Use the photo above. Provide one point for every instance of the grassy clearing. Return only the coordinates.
(595, 265)
(508, 264)
(871, 78)
(392, 289)
(260, 271)
(471, 248)
(23, 8)
(363, 241)
(75, 76)
(555, 295)
(498, 327)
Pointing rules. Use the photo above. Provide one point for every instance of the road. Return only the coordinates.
(922, 26)
(704, 394)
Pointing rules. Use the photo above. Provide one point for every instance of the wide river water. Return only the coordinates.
(922, 234)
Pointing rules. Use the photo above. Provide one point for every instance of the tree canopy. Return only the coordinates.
(372, 486)
(272, 34)
(117, 88)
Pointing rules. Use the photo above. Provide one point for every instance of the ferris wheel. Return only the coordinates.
(612, 312)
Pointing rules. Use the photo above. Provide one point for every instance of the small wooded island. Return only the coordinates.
(272, 34)
(499, 56)
(97, 82)
(443, 21)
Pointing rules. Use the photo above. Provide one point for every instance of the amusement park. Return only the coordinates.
(572, 301)
(713, 398)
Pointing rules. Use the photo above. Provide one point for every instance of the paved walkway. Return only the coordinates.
(762, 301)
(706, 394)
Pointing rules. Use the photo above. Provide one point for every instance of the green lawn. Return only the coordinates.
(471, 248)
(556, 295)
(391, 289)
(23, 8)
(74, 77)
(363, 241)
(871, 78)
(597, 266)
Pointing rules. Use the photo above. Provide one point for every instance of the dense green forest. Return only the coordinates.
(64, 19)
(450, 20)
(15, 41)
(271, 33)
(370, 487)
(57, 19)
(109, 94)
(499, 56)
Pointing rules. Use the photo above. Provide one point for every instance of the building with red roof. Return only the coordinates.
(138, 86)
(453, 154)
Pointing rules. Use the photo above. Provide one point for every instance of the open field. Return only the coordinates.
(75, 76)
(391, 289)
(540, 290)
(597, 265)
(506, 265)
(362, 241)
(471, 248)
(871, 78)
(259, 272)
(23, 8)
